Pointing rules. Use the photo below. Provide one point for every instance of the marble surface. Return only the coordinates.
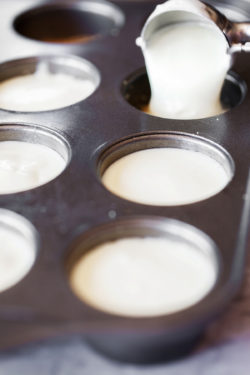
(72, 357)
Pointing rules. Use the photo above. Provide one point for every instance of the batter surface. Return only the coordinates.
(43, 91)
(165, 176)
(24, 166)
(16, 258)
(143, 276)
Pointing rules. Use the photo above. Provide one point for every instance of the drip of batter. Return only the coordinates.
(43, 91)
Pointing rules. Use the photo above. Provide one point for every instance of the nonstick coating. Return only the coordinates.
(43, 305)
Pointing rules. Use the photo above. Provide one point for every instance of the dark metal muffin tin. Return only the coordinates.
(75, 208)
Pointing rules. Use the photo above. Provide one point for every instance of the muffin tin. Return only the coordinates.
(74, 212)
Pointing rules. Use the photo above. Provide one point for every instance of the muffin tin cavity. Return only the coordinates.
(19, 246)
(143, 267)
(30, 156)
(70, 23)
(165, 169)
(43, 83)
(136, 90)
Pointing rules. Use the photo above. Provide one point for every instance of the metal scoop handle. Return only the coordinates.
(238, 35)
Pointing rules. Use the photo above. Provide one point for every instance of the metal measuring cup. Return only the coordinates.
(177, 11)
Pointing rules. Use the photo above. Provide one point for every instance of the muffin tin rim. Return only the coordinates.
(158, 321)
(105, 151)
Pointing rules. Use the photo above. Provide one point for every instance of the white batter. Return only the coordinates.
(16, 258)
(43, 91)
(26, 165)
(186, 65)
(143, 276)
(165, 176)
